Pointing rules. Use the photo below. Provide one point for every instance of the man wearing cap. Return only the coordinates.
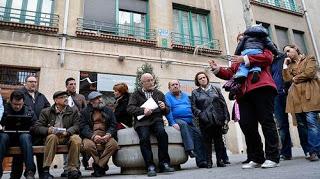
(98, 130)
(59, 124)
(152, 122)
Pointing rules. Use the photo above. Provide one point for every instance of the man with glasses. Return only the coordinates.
(37, 101)
(59, 124)
(152, 122)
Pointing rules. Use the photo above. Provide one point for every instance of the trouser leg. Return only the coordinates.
(74, 144)
(110, 148)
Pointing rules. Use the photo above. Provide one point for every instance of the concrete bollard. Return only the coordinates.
(129, 157)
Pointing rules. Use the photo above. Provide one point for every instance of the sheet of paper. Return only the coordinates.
(150, 104)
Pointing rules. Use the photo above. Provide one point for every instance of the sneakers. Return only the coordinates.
(283, 157)
(269, 164)
(251, 165)
(29, 175)
(191, 153)
(165, 167)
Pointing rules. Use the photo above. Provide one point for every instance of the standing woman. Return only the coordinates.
(209, 106)
(124, 119)
(303, 97)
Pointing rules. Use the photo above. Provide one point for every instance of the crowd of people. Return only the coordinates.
(266, 84)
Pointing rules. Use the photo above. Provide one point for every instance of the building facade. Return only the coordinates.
(102, 42)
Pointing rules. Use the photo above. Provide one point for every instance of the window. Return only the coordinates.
(11, 76)
(191, 28)
(92, 81)
(286, 4)
(132, 24)
(299, 41)
(282, 35)
(38, 12)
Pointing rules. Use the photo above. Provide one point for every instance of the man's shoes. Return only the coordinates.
(29, 175)
(191, 153)
(221, 164)
(313, 157)
(251, 165)
(203, 164)
(246, 161)
(226, 161)
(64, 173)
(98, 171)
(166, 168)
(75, 174)
(269, 164)
(282, 157)
(46, 175)
(152, 171)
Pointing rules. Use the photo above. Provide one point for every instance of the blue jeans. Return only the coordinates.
(309, 131)
(243, 71)
(192, 140)
(25, 143)
(283, 124)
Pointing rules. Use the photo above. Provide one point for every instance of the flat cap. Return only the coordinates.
(59, 93)
(93, 95)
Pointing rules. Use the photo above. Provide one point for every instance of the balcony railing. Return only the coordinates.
(288, 6)
(19, 18)
(115, 32)
(188, 42)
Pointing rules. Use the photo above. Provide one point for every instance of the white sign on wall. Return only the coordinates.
(105, 82)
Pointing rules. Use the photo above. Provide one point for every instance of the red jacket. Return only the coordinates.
(263, 61)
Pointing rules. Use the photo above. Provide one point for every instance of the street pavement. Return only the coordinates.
(297, 168)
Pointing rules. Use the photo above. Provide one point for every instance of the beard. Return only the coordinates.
(100, 106)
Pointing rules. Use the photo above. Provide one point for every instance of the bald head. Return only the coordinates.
(174, 87)
(147, 82)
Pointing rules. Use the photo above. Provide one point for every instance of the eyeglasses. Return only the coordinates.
(32, 81)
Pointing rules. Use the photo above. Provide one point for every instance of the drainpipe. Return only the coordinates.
(237, 127)
(310, 29)
(225, 36)
(64, 33)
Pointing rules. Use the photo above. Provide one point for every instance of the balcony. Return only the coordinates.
(280, 5)
(188, 43)
(120, 33)
(31, 20)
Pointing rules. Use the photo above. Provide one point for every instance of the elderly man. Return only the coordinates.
(98, 130)
(16, 108)
(59, 124)
(37, 101)
(152, 122)
(181, 118)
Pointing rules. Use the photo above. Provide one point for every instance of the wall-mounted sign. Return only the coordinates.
(163, 33)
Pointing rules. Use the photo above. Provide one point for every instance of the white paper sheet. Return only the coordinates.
(150, 104)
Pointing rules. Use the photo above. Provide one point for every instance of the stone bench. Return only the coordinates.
(129, 157)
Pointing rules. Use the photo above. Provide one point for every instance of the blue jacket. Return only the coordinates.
(179, 108)
(256, 37)
(276, 72)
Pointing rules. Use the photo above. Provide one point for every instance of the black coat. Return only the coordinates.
(210, 107)
(86, 123)
(137, 99)
(40, 103)
(120, 110)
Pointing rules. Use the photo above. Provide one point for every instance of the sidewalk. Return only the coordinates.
(297, 168)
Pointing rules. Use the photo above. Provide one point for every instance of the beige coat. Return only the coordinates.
(304, 93)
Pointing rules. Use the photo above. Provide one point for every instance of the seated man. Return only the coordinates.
(24, 140)
(151, 122)
(180, 117)
(98, 130)
(59, 124)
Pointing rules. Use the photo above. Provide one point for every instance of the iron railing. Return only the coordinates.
(14, 76)
(193, 41)
(289, 5)
(28, 17)
(116, 29)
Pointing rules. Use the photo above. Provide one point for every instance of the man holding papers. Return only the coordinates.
(148, 119)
